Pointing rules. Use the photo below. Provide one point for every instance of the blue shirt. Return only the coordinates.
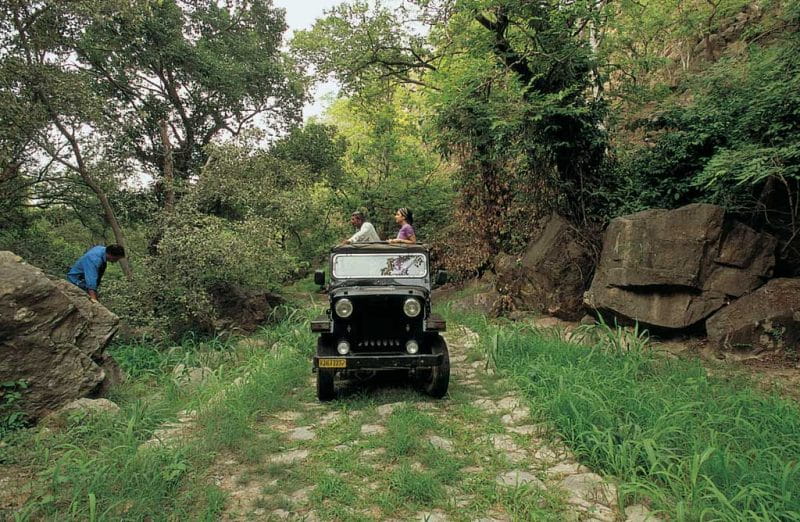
(89, 269)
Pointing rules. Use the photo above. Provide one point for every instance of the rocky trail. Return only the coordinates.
(392, 454)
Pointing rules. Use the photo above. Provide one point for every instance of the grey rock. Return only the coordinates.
(183, 375)
(674, 268)
(289, 457)
(767, 319)
(589, 488)
(551, 275)
(441, 443)
(372, 429)
(51, 336)
(519, 478)
(639, 513)
(302, 433)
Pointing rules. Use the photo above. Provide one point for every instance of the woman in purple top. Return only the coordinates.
(404, 218)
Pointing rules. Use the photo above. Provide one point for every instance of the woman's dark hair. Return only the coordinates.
(115, 250)
(407, 214)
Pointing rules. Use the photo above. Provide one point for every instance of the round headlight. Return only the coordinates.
(412, 347)
(343, 347)
(344, 308)
(411, 307)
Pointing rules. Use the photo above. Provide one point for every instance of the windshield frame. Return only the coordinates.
(383, 256)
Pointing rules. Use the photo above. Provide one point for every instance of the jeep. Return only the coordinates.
(379, 318)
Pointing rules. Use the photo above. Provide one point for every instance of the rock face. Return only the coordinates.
(674, 268)
(767, 319)
(478, 296)
(51, 336)
(552, 274)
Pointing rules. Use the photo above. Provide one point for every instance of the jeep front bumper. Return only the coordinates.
(377, 362)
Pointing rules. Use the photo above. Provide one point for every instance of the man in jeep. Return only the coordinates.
(365, 233)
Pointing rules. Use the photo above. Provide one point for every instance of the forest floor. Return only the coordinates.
(384, 452)
(232, 430)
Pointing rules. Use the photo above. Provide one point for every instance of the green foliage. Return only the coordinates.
(11, 418)
(388, 165)
(735, 144)
(695, 446)
(207, 69)
(199, 255)
(97, 466)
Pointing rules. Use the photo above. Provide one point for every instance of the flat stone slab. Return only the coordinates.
(387, 409)
(504, 442)
(519, 478)
(527, 429)
(566, 468)
(375, 452)
(441, 443)
(288, 416)
(329, 418)
(640, 513)
(516, 416)
(372, 429)
(289, 457)
(487, 405)
(302, 433)
(509, 403)
(588, 488)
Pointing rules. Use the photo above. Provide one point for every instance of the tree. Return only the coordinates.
(55, 108)
(206, 69)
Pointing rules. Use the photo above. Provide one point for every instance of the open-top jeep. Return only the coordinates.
(380, 318)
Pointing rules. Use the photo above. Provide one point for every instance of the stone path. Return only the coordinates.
(347, 459)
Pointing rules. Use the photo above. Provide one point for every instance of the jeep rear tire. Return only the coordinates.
(436, 381)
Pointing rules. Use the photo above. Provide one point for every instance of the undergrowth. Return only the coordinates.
(692, 445)
(97, 467)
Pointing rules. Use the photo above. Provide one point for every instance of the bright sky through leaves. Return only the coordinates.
(301, 14)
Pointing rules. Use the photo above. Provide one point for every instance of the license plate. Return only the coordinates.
(333, 363)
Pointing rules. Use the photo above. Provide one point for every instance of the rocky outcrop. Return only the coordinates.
(552, 274)
(243, 310)
(674, 268)
(767, 319)
(479, 296)
(51, 336)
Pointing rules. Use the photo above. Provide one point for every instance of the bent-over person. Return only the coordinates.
(87, 272)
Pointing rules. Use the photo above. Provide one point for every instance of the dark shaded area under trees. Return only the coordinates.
(174, 127)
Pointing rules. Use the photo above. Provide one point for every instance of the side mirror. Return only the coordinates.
(319, 277)
(441, 277)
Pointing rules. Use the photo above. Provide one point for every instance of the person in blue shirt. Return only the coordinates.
(87, 272)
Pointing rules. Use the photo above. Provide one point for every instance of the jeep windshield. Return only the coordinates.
(379, 265)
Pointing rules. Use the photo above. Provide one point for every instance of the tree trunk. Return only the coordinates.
(169, 170)
(108, 210)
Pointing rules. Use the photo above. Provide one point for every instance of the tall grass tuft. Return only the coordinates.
(97, 467)
(698, 447)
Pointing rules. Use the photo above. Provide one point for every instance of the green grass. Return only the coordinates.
(95, 467)
(696, 447)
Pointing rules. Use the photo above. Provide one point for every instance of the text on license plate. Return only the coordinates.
(333, 363)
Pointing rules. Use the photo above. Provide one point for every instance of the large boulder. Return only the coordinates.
(51, 336)
(551, 275)
(674, 268)
(767, 319)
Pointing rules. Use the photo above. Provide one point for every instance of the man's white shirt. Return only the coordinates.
(365, 234)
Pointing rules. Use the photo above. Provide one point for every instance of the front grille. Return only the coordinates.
(380, 343)
(378, 324)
